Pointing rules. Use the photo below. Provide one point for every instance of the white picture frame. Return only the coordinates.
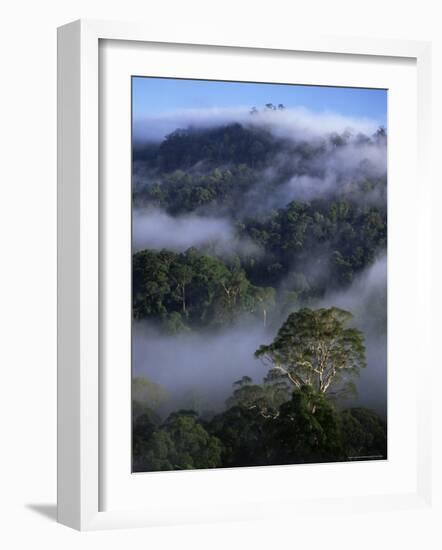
(79, 276)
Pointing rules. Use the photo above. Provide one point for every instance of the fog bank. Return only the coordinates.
(294, 122)
(206, 364)
(155, 229)
(367, 300)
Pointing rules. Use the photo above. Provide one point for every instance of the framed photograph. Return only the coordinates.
(239, 223)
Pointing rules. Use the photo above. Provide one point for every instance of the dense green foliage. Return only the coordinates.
(191, 289)
(316, 348)
(229, 144)
(181, 443)
(219, 167)
(306, 428)
(299, 248)
(306, 252)
(286, 419)
(317, 245)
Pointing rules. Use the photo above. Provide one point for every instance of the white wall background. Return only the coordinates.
(28, 275)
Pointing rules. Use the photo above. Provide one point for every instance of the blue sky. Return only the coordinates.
(162, 96)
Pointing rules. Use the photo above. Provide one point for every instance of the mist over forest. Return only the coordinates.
(251, 226)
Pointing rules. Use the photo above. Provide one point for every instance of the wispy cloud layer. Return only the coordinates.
(155, 229)
(296, 122)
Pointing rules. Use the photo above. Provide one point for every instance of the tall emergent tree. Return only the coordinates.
(316, 348)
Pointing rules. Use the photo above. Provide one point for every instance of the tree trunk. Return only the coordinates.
(183, 287)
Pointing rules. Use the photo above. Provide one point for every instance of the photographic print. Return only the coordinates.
(259, 274)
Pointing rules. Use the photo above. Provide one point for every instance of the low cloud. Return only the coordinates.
(155, 229)
(366, 298)
(325, 171)
(205, 364)
(313, 165)
(324, 154)
(293, 123)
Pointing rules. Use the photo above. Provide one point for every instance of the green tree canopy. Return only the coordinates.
(307, 430)
(364, 434)
(264, 398)
(316, 348)
(148, 393)
(242, 431)
(181, 443)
